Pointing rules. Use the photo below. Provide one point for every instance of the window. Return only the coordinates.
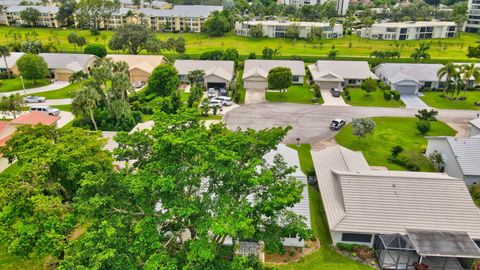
(356, 237)
(391, 29)
(352, 81)
(295, 78)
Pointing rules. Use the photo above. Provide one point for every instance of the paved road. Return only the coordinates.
(52, 102)
(54, 86)
(311, 122)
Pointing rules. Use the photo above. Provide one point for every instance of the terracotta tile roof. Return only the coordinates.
(33, 118)
(3, 125)
(3, 141)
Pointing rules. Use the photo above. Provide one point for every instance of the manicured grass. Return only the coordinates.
(390, 131)
(475, 191)
(348, 46)
(12, 169)
(375, 99)
(295, 94)
(433, 99)
(65, 92)
(15, 84)
(325, 257)
(66, 107)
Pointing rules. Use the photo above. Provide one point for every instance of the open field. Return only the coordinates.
(348, 46)
(375, 99)
(390, 131)
(7, 85)
(433, 99)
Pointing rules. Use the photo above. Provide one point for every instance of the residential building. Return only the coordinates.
(11, 62)
(460, 156)
(473, 22)
(140, 67)
(63, 65)
(120, 18)
(409, 78)
(475, 127)
(409, 30)
(278, 29)
(429, 216)
(336, 74)
(340, 5)
(218, 74)
(256, 72)
(179, 18)
(48, 16)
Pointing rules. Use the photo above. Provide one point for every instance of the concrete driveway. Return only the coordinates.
(254, 96)
(65, 118)
(330, 100)
(413, 101)
(54, 86)
(311, 123)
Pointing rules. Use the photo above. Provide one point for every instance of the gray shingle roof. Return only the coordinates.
(11, 60)
(69, 61)
(182, 11)
(263, 67)
(41, 9)
(222, 69)
(418, 72)
(344, 69)
(467, 152)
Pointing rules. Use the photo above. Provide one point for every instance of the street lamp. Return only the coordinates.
(23, 85)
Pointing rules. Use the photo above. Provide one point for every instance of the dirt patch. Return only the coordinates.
(292, 254)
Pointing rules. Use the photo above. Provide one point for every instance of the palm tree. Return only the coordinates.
(455, 85)
(447, 71)
(86, 99)
(469, 71)
(4, 52)
(78, 77)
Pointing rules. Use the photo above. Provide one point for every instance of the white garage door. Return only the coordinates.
(406, 89)
(329, 85)
(255, 85)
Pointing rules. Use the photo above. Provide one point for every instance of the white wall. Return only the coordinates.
(451, 165)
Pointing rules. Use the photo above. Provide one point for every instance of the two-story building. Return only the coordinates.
(409, 30)
(278, 29)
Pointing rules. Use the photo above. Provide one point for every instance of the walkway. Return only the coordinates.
(330, 100)
(413, 101)
(54, 86)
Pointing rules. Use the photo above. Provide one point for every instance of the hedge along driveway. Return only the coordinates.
(197, 43)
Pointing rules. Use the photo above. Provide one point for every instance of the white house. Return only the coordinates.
(409, 78)
(217, 73)
(409, 30)
(336, 74)
(461, 156)
(278, 29)
(256, 72)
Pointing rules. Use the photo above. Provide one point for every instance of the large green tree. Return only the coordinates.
(12, 103)
(92, 13)
(32, 67)
(30, 15)
(279, 78)
(132, 37)
(189, 189)
(163, 81)
(216, 24)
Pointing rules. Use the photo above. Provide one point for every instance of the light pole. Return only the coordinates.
(23, 85)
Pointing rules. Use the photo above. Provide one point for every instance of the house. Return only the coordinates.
(475, 127)
(179, 18)
(335, 74)
(11, 62)
(47, 18)
(63, 65)
(460, 156)
(278, 29)
(340, 5)
(406, 216)
(409, 78)
(256, 72)
(120, 18)
(217, 73)
(140, 67)
(409, 30)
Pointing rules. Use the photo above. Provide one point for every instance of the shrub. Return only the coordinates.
(427, 115)
(423, 126)
(396, 150)
(347, 247)
(413, 160)
(365, 253)
(396, 95)
(383, 86)
(387, 95)
(98, 50)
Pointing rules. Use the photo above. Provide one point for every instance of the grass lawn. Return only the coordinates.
(434, 100)
(8, 262)
(66, 107)
(15, 84)
(65, 92)
(475, 191)
(390, 131)
(295, 94)
(375, 99)
(325, 257)
(348, 46)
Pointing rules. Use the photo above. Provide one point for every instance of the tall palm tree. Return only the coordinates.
(455, 85)
(447, 71)
(86, 99)
(4, 52)
(469, 71)
(78, 77)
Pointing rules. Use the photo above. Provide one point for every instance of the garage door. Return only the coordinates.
(255, 85)
(63, 76)
(406, 89)
(138, 75)
(328, 85)
(216, 85)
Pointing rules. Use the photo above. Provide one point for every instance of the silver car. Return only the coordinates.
(46, 109)
(34, 99)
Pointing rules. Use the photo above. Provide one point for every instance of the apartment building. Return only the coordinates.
(473, 23)
(121, 17)
(409, 30)
(341, 5)
(47, 17)
(144, 4)
(278, 29)
(179, 18)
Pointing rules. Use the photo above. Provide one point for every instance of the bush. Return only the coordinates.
(423, 126)
(150, 97)
(387, 95)
(396, 95)
(396, 150)
(98, 50)
(383, 86)
(413, 160)
(347, 247)
(427, 115)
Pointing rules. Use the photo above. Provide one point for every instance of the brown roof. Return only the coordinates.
(34, 118)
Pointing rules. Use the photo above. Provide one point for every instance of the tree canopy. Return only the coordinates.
(216, 24)
(32, 67)
(279, 78)
(92, 13)
(163, 81)
(134, 38)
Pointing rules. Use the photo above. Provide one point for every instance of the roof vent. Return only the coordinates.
(393, 185)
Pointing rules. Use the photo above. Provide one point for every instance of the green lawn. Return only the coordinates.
(8, 262)
(66, 107)
(65, 92)
(434, 100)
(390, 131)
(475, 191)
(15, 84)
(348, 46)
(295, 94)
(325, 257)
(375, 99)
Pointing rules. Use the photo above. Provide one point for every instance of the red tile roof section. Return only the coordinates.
(34, 118)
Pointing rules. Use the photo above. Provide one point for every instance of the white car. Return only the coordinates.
(139, 84)
(227, 101)
(215, 103)
(34, 99)
(211, 93)
(47, 109)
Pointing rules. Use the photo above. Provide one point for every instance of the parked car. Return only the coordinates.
(139, 84)
(34, 99)
(215, 103)
(211, 93)
(337, 124)
(47, 109)
(335, 92)
(227, 101)
(223, 92)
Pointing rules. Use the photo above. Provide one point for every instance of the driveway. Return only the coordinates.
(311, 123)
(254, 96)
(413, 101)
(54, 86)
(330, 100)
(52, 102)
(65, 118)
